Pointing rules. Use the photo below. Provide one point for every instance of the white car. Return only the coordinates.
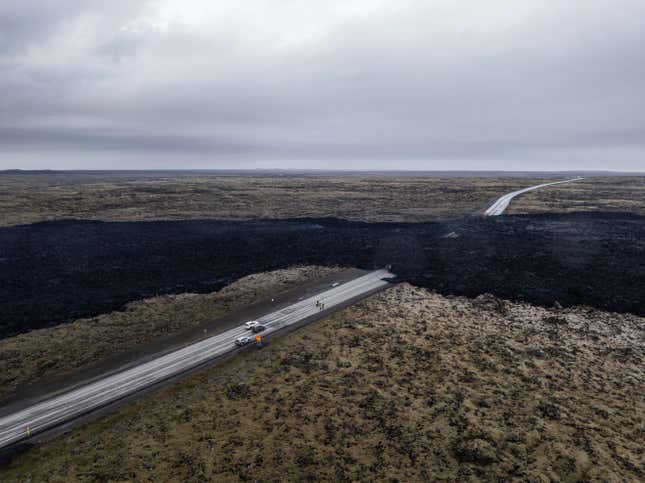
(240, 341)
(250, 324)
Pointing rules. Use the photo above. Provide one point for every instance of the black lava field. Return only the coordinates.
(55, 272)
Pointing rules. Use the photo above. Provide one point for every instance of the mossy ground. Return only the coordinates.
(53, 352)
(406, 385)
(183, 196)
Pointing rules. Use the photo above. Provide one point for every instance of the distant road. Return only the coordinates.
(70, 405)
(502, 203)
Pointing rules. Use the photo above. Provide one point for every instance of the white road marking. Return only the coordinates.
(67, 406)
(502, 203)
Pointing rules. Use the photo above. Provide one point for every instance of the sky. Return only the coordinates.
(352, 84)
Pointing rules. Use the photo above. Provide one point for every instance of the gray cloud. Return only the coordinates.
(422, 85)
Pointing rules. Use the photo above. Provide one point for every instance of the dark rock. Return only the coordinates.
(549, 411)
(56, 272)
(538, 353)
(554, 320)
(600, 412)
(488, 301)
(476, 451)
(515, 438)
(238, 390)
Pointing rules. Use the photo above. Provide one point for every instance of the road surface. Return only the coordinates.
(502, 203)
(68, 406)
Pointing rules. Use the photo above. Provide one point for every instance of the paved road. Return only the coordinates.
(67, 406)
(502, 203)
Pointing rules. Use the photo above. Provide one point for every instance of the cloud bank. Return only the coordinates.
(434, 84)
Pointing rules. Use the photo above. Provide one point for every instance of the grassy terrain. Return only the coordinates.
(29, 198)
(590, 194)
(45, 353)
(406, 385)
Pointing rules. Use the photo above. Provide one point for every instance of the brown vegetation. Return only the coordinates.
(406, 385)
(29, 198)
(625, 194)
(45, 353)
(171, 196)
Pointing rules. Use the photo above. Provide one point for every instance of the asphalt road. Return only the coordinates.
(68, 406)
(502, 203)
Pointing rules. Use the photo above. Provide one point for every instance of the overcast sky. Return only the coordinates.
(432, 84)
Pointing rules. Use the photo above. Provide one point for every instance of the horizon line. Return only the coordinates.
(305, 170)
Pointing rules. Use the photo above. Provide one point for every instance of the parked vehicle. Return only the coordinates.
(240, 341)
(258, 328)
(250, 324)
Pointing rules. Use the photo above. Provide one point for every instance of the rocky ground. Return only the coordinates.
(624, 194)
(407, 385)
(42, 354)
(57, 272)
(374, 197)
(410, 384)
(122, 196)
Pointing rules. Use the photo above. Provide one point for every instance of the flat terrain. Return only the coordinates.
(417, 383)
(29, 198)
(41, 355)
(61, 271)
(407, 384)
(624, 194)
(377, 197)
